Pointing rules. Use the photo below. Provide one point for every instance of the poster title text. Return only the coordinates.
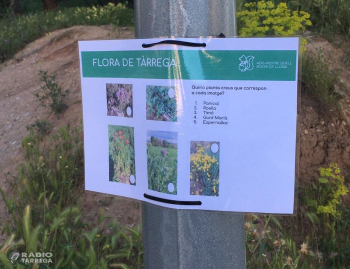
(134, 62)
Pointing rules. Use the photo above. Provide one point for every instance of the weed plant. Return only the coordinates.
(312, 239)
(49, 175)
(16, 32)
(317, 237)
(319, 80)
(268, 247)
(321, 210)
(41, 127)
(121, 154)
(46, 216)
(51, 94)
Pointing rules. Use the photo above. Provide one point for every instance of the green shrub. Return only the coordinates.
(16, 32)
(324, 219)
(327, 16)
(51, 94)
(332, 192)
(41, 127)
(263, 18)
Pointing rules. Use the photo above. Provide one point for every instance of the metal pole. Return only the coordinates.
(180, 239)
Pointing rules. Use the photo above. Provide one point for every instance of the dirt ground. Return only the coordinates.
(322, 139)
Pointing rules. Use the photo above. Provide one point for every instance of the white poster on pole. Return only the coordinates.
(206, 124)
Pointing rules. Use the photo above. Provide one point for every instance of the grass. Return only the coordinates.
(16, 32)
(156, 151)
(319, 81)
(45, 211)
(317, 237)
(329, 16)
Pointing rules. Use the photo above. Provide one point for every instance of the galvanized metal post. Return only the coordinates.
(180, 239)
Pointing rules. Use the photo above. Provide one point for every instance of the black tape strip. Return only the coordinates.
(173, 202)
(175, 42)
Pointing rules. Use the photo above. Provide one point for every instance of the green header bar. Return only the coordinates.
(191, 65)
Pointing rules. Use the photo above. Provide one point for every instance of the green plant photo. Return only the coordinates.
(161, 103)
(162, 161)
(121, 154)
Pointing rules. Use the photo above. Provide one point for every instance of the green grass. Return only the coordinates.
(16, 32)
(313, 238)
(329, 16)
(319, 81)
(46, 216)
(171, 152)
(44, 208)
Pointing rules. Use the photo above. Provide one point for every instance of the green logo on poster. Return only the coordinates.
(246, 63)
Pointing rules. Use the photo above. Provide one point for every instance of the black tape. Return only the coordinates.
(175, 42)
(173, 202)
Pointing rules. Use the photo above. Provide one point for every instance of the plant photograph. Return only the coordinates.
(121, 154)
(161, 103)
(204, 171)
(119, 100)
(162, 161)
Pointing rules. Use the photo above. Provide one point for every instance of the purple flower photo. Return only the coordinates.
(119, 100)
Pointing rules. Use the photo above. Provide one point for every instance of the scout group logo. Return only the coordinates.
(246, 63)
(26, 258)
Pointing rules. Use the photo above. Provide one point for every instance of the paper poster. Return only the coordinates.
(205, 127)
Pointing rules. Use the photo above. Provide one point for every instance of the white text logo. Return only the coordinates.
(246, 63)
